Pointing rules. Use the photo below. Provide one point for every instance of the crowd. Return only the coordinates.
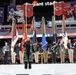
(34, 50)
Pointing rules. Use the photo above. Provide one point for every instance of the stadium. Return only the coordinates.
(37, 37)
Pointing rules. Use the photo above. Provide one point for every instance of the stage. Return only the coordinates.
(39, 69)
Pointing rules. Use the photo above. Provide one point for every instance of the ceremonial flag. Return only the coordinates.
(54, 30)
(32, 25)
(14, 35)
(65, 39)
(44, 46)
(54, 25)
(63, 24)
(24, 35)
(64, 33)
(34, 39)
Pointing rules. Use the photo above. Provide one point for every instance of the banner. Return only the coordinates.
(11, 13)
(58, 9)
(1, 15)
(17, 12)
(28, 13)
(28, 10)
(73, 4)
(67, 10)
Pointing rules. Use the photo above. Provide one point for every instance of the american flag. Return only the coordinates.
(14, 35)
(32, 25)
(34, 39)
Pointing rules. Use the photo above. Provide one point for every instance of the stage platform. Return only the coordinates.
(39, 69)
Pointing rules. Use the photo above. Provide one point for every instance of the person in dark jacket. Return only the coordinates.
(5, 52)
(28, 53)
(18, 51)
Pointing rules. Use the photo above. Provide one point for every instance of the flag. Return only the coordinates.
(65, 39)
(63, 24)
(34, 40)
(67, 10)
(14, 35)
(58, 9)
(24, 35)
(53, 25)
(64, 33)
(44, 46)
(32, 25)
(73, 4)
(43, 26)
(54, 30)
(28, 10)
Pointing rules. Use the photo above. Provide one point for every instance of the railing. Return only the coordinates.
(60, 28)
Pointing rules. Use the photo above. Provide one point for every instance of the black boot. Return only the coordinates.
(25, 65)
(29, 65)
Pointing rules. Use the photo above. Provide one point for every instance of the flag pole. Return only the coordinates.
(24, 28)
(54, 17)
(54, 24)
(26, 18)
